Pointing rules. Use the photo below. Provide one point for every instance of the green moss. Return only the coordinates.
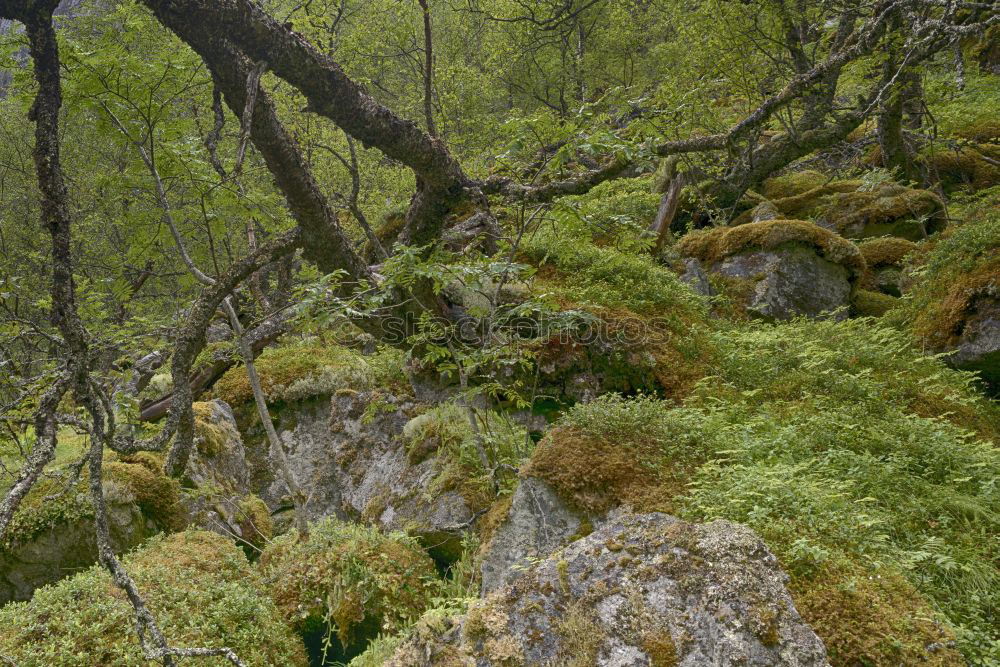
(639, 328)
(210, 438)
(964, 167)
(872, 620)
(254, 519)
(50, 504)
(295, 372)
(857, 209)
(867, 303)
(198, 586)
(958, 267)
(716, 244)
(793, 183)
(350, 579)
(885, 251)
(158, 496)
(444, 432)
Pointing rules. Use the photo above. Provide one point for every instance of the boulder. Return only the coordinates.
(640, 590)
(780, 269)
(978, 346)
(789, 281)
(217, 478)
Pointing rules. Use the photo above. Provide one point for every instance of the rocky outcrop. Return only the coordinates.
(348, 455)
(978, 346)
(640, 590)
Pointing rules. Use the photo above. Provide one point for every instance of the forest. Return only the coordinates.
(500, 333)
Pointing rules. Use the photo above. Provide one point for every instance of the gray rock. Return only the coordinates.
(696, 278)
(68, 546)
(978, 347)
(765, 211)
(889, 280)
(789, 281)
(640, 590)
(537, 524)
(347, 454)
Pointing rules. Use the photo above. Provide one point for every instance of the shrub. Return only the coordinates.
(198, 586)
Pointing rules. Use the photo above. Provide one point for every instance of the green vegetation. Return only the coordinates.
(348, 583)
(53, 503)
(846, 451)
(198, 586)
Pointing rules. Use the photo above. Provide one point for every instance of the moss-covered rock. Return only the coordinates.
(713, 245)
(654, 589)
(199, 587)
(866, 303)
(884, 261)
(971, 167)
(955, 296)
(296, 372)
(52, 533)
(786, 267)
(347, 584)
(856, 210)
(637, 326)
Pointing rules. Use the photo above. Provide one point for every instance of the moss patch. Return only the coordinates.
(713, 245)
(867, 303)
(870, 619)
(295, 372)
(198, 586)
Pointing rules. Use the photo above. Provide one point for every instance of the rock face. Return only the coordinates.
(67, 546)
(217, 474)
(640, 590)
(978, 348)
(537, 524)
(347, 454)
(788, 281)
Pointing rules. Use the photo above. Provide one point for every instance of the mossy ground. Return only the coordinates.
(198, 586)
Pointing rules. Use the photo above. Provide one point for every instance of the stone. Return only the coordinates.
(640, 590)
(537, 524)
(66, 546)
(347, 454)
(978, 347)
(788, 281)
